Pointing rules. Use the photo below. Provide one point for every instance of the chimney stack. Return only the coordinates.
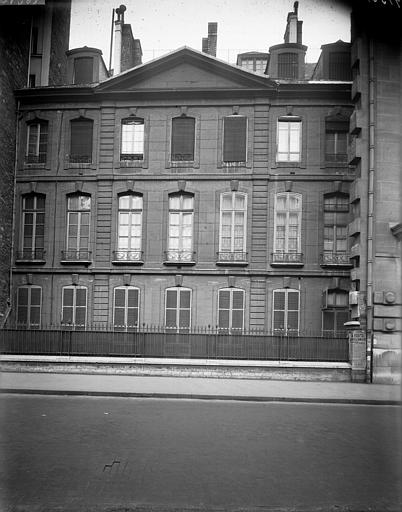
(127, 50)
(118, 37)
(209, 43)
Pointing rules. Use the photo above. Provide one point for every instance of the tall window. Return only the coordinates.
(126, 308)
(336, 208)
(132, 139)
(336, 140)
(129, 239)
(288, 209)
(339, 66)
(180, 239)
(29, 300)
(286, 306)
(74, 308)
(83, 70)
(289, 139)
(235, 139)
(183, 139)
(231, 309)
(232, 240)
(33, 226)
(288, 66)
(178, 308)
(37, 139)
(335, 311)
(78, 222)
(81, 140)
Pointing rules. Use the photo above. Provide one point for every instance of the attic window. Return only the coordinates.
(132, 139)
(183, 139)
(83, 70)
(288, 66)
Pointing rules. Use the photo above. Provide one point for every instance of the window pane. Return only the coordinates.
(132, 298)
(184, 320)
(237, 319)
(36, 296)
(68, 294)
(80, 315)
(170, 318)
(293, 300)
(223, 319)
(81, 299)
(279, 300)
(22, 296)
(238, 300)
(171, 299)
(119, 316)
(119, 297)
(185, 297)
(224, 299)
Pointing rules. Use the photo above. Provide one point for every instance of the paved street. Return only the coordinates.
(92, 453)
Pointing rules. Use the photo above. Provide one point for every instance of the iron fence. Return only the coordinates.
(161, 342)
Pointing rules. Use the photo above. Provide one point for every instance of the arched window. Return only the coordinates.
(231, 309)
(78, 226)
(29, 302)
(180, 234)
(233, 221)
(286, 305)
(178, 308)
(126, 308)
(129, 238)
(81, 140)
(132, 139)
(74, 306)
(183, 139)
(287, 231)
(33, 227)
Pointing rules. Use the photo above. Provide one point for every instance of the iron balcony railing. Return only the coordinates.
(35, 159)
(336, 259)
(131, 156)
(80, 159)
(232, 257)
(174, 256)
(339, 158)
(162, 342)
(128, 256)
(287, 258)
(31, 255)
(182, 157)
(76, 255)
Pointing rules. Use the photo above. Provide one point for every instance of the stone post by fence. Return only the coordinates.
(357, 351)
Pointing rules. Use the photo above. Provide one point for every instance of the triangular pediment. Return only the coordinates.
(185, 69)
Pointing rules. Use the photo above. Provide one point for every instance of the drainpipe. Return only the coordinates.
(370, 207)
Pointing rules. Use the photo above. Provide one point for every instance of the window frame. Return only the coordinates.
(74, 306)
(331, 307)
(233, 211)
(177, 328)
(78, 211)
(34, 212)
(182, 212)
(286, 330)
(88, 58)
(125, 327)
(339, 214)
(297, 121)
(230, 329)
(40, 123)
(130, 212)
(287, 212)
(229, 163)
(292, 65)
(136, 120)
(174, 161)
(29, 324)
(74, 122)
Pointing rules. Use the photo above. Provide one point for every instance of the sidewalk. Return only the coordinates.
(198, 388)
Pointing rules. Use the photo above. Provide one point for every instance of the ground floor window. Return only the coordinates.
(178, 308)
(126, 308)
(285, 318)
(29, 299)
(74, 306)
(231, 309)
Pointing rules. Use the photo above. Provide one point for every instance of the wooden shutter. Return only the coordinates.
(235, 139)
(183, 131)
(81, 140)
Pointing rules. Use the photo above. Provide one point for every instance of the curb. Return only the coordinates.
(245, 398)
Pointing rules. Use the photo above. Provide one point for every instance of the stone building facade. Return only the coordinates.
(33, 42)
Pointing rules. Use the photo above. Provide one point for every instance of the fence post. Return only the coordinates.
(357, 351)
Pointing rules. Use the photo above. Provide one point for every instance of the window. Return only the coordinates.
(129, 240)
(288, 66)
(78, 222)
(339, 66)
(232, 239)
(336, 140)
(83, 70)
(235, 139)
(231, 309)
(289, 139)
(33, 227)
(286, 311)
(178, 308)
(180, 236)
(132, 139)
(29, 301)
(183, 139)
(336, 217)
(335, 312)
(74, 310)
(81, 140)
(126, 308)
(288, 208)
(37, 137)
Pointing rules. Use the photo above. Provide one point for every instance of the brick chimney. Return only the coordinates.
(209, 43)
(127, 50)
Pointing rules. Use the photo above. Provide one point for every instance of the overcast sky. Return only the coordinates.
(243, 25)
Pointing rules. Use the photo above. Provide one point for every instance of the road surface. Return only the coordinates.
(91, 453)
